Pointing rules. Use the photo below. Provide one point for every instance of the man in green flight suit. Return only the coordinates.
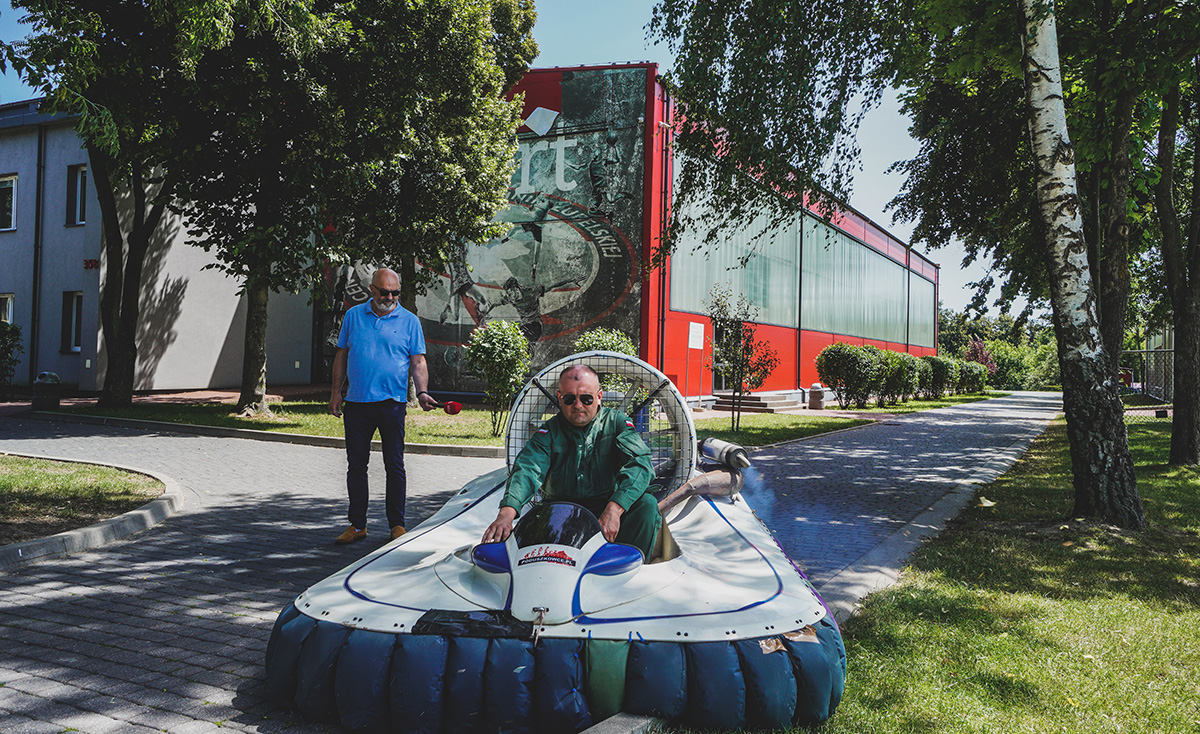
(589, 455)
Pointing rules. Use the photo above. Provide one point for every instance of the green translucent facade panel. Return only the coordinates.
(768, 278)
(922, 308)
(850, 289)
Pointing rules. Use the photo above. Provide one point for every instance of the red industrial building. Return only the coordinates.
(588, 203)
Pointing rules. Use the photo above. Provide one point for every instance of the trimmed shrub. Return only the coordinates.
(945, 376)
(912, 376)
(861, 392)
(924, 378)
(972, 377)
(895, 373)
(849, 371)
(499, 353)
(606, 340)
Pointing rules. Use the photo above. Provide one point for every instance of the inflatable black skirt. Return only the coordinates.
(375, 681)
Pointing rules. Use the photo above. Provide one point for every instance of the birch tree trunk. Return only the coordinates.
(1105, 486)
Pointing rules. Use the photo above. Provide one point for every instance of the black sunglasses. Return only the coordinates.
(569, 398)
(386, 292)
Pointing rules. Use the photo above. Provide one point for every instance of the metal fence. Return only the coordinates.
(1148, 376)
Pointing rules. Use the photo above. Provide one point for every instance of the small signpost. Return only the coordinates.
(695, 341)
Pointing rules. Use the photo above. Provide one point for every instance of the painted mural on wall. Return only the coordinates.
(570, 259)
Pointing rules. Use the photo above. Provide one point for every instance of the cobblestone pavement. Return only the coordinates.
(166, 631)
(832, 498)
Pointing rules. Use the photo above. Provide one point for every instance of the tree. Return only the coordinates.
(250, 188)
(421, 96)
(1102, 467)
(127, 71)
(1181, 255)
(405, 98)
(771, 131)
(737, 354)
(499, 353)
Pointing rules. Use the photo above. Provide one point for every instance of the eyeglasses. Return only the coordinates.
(569, 398)
(385, 291)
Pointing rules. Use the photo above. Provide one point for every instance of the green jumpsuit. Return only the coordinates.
(604, 461)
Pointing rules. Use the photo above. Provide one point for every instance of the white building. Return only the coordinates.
(190, 334)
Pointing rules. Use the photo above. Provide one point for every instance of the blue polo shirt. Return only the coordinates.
(380, 347)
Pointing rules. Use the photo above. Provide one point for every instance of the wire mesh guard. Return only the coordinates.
(630, 385)
(1148, 385)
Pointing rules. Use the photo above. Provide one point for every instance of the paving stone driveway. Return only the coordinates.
(167, 631)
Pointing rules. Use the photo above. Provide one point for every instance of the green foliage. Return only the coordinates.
(499, 353)
(897, 377)
(943, 376)
(849, 371)
(972, 377)
(10, 349)
(606, 340)
(1012, 364)
(924, 378)
(737, 354)
(771, 87)
(1044, 368)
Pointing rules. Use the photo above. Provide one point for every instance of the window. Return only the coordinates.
(72, 321)
(6, 307)
(8, 202)
(76, 195)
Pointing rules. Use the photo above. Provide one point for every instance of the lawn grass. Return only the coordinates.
(1020, 618)
(916, 405)
(471, 427)
(39, 497)
(763, 429)
(312, 418)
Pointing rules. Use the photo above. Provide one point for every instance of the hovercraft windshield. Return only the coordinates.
(556, 523)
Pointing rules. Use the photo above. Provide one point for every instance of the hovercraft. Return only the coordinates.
(555, 629)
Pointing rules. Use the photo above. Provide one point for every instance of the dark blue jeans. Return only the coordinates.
(361, 421)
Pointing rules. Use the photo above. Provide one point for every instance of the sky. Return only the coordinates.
(571, 33)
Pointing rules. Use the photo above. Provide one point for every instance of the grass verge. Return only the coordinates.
(918, 404)
(312, 418)
(762, 429)
(470, 427)
(1020, 618)
(40, 498)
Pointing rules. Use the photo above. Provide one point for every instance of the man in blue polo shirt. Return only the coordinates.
(379, 345)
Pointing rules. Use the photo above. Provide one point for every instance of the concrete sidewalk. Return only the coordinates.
(167, 630)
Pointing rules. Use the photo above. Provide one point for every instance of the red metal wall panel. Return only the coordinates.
(811, 344)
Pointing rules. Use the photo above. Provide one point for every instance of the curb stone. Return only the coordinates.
(98, 534)
(486, 452)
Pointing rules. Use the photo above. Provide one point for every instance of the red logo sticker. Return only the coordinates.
(542, 554)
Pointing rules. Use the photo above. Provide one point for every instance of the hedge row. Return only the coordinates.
(855, 374)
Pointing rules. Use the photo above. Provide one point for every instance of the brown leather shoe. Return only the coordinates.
(397, 531)
(352, 534)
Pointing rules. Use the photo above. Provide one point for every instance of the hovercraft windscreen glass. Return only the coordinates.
(558, 523)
